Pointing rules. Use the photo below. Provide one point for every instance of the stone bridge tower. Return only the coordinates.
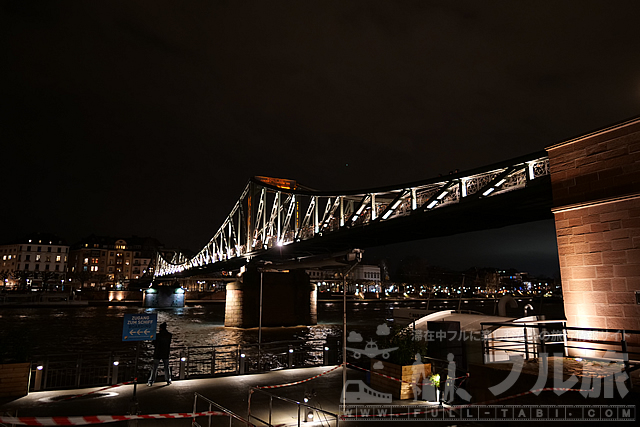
(596, 193)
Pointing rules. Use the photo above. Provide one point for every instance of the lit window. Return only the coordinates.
(94, 268)
(86, 260)
(38, 257)
(58, 258)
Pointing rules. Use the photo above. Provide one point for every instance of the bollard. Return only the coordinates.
(183, 363)
(114, 372)
(38, 381)
(242, 360)
(325, 356)
(290, 357)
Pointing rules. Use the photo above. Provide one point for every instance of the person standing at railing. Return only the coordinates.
(162, 345)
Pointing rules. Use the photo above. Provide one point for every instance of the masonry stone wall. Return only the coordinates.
(234, 305)
(288, 299)
(596, 191)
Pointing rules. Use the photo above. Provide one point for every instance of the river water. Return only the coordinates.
(26, 332)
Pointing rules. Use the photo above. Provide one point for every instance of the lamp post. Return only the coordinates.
(344, 325)
(260, 327)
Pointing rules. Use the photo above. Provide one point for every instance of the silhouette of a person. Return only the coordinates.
(161, 351)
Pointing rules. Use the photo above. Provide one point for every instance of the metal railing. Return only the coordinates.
(60, 371)
(282, 414)
(233, 417)
(531, 339)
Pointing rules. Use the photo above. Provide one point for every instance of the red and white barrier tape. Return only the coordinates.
(464, 377)
(301, 381)
(96, 391)
(99, 419)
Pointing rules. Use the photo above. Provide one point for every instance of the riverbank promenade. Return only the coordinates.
(322, 385)
(231, 392)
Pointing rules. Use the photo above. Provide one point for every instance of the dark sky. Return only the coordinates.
(148, 118)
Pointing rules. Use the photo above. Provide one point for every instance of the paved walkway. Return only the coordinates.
(230, 392)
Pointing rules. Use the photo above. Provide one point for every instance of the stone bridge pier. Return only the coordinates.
(596, 193)
(288, 299)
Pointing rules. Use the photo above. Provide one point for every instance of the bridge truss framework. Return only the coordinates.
(273, 213)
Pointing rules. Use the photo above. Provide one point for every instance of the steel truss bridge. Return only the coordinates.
(279, 220)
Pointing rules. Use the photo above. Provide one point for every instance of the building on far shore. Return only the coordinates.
(362, 279)
(103, 262)
(35, 262)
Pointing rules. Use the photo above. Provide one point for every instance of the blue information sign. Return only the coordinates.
(139, 327)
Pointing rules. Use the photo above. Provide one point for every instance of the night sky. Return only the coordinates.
(148, 118)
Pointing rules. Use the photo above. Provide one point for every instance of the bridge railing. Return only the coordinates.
(272, 213)
(66, 371)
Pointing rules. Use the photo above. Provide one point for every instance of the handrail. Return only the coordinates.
(285, 399)
(63, 370)
(231, 414)
(569, 328)
(537, 343)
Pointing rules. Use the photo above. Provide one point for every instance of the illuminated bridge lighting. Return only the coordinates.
(272, 213)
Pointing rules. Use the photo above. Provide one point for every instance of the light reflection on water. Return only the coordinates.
(31, 331)
(37, 331)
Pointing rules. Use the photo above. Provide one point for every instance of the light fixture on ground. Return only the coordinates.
(309, 416)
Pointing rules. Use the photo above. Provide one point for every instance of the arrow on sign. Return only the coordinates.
(139, 332)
